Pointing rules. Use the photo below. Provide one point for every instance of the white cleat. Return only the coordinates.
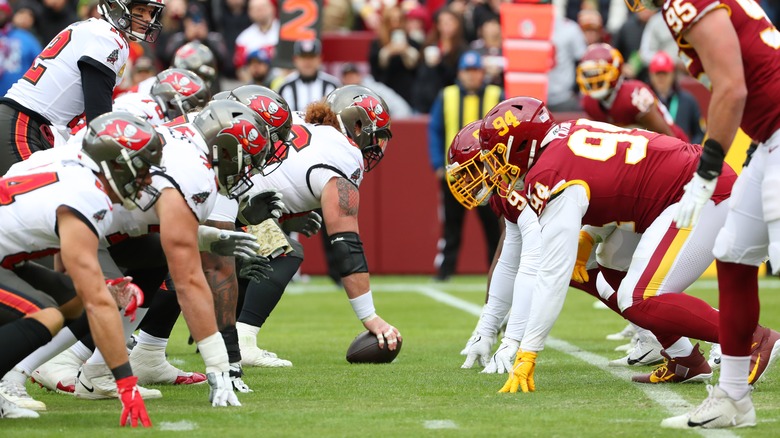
(252, 356)
(95, 382)
(717, 411)
(59, 374)
(624, 335)
(9, 409)
(646, 351)
(16, 393)
(150, 366)
(715, 356)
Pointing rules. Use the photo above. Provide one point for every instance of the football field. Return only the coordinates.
(424, 392)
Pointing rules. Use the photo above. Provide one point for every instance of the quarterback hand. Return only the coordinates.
(126, 294)
(697, 192)
(584, 248)
(262, 206)
(221, 390)
(501, 362)
(255, 269)
(307, 224)
(478, 349)
(227, 243)
(383, 332)
(522, 374)
(133, 407)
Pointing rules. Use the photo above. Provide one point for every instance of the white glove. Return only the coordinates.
(478, 349)
(697, 192)
(502, 360)
(261, 206)
(221, 391)
(308, 224)
(227, 243)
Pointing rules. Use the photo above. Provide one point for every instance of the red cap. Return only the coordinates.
(661, 62)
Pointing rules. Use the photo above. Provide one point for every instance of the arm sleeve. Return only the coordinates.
(97, 84)
(525, 282)
(436, 134)
(560, 225)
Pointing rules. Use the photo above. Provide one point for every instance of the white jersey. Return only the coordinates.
(28, 206)
(318, 154)
(187, 170)
(52, 86)
(142, 105)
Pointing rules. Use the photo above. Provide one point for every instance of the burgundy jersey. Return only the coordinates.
(759, 42)
(632, 100)
(631, 176)
(510, 207)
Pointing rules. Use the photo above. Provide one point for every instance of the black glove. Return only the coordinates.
(255, 269)
(308, 224)
(262, 206)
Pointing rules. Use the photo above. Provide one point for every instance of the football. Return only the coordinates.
(365, 349)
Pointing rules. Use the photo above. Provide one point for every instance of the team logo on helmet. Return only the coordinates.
(374, 108)
(185, 51)
(246, 134)
(269, 110)
(126, 134)
(181, 83)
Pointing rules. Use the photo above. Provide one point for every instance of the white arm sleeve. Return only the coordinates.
(525, 282)
(561, 223)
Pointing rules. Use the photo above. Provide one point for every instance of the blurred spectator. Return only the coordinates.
(257, 68)
(398, 107)
(337, 16)
(446, 43)
(569, 47)
(394, 56)
(55, 16)
(418, 24)
(489, 45)
(18, 49)
(196, 29)
(26, 13)
(143, 68)
(628, 39)
(592, 26)
(681, 104)
(308, 83)
(232, 22)
(486, 10)
(656, 37)
(88, 9)
(263, 33)
(455, 107)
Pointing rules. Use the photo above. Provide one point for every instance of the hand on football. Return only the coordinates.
(308, 224)
(697, 192)
(264, 205)
(384, 332)
(221, 390)
(478, 350)
(501, 362)
(133, 408)
(522, 375)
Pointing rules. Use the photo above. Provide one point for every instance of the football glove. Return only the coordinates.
(522, 375)
(133, 408)
(307, 224)
(501, 362)
(221, 390)
(697, 192)
(126, 294)
(227, 243)
(264, 205)
(585, 247)
(255, 269)
(478, 350)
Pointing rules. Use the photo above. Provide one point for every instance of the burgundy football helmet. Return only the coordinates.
(466, 175)
(599, 70)
(511, 137)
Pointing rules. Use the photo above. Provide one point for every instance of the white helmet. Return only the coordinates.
(118, 13)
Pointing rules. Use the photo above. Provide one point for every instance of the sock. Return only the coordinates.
(261, 298)
(16, 375)
(734, 372)
(230, 336)
(739, 307)
(81, 351)
(59, 343)
(20, 338)
(681, 348)
(675, 314)
(163, 313)
(79, 326)
(96, 358)
(246, 329)
(128, 327)
(144, 338)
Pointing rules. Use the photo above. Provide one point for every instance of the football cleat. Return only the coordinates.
(236, 374)
(763, 352)
(150, 366)
(717, 411)
(647, 351)
(715, 356)
(624, 335)
(59, 374)
(252, 356)
(691, 368)
(9, 409)
(95, 382)
(16, 393)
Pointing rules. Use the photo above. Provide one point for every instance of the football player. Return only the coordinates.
(199, 59)
(732, 46)
(608, 96)
(75, 74)
(67, 199)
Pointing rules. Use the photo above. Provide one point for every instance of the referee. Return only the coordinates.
(308, 83)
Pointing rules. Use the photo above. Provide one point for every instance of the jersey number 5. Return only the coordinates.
(51, 51)
(14, 186)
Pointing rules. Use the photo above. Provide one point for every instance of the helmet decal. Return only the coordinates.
(181, 83)
(374, 108)
(246, 134)
(269, 110)
(125, 134)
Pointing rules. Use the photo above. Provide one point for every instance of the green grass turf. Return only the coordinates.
(323, 395)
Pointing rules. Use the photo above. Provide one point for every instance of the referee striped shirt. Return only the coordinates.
(299, 93)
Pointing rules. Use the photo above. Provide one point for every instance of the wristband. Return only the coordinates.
(122, 371)
(214, 353)
(711, 161)
(363, 306)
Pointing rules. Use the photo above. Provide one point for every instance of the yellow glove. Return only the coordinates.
(522, 374)
(585, 247)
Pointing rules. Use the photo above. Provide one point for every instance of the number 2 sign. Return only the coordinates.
(299, 20)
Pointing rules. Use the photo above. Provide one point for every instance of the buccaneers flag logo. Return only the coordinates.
(126, 134)
(269, 110)
(181, 83)
(375, 111)
(246, 134)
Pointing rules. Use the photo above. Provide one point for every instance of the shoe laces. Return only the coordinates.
(709, 403)
(13, 388)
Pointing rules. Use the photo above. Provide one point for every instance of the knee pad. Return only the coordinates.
(729, 249)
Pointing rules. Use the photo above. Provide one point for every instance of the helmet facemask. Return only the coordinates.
(503, 176)
(597, 79)
(638, 5)
(469, 182)
(119, 14)
(127, 175)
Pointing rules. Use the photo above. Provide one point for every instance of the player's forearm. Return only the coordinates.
(502, 282)
(725, 113)
(356, 284)
(195, 299)
(221, 276)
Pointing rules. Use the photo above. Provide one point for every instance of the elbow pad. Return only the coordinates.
(348, 253)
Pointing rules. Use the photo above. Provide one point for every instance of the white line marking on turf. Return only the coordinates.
(439, 424)
(178, 426)
(661, 395)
